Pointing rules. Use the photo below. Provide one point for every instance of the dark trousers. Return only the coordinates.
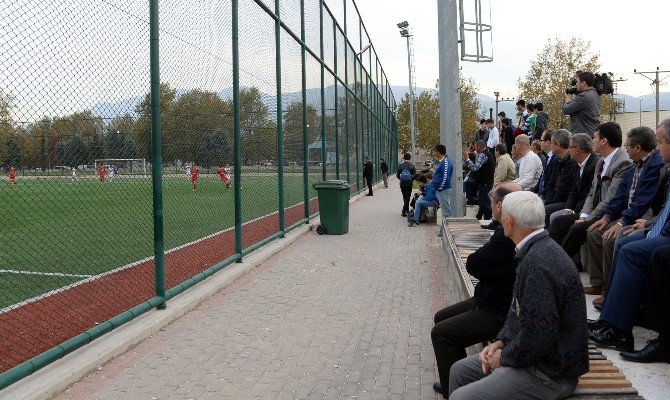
(656, 299)
(550, 209)
(484, 201)
(368, 179)
(406, 194)
(470, 189)
(568, 234)
(457, 327)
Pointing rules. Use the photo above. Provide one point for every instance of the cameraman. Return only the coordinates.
(583, 107)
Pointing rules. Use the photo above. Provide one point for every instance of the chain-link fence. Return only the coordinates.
(110, 207)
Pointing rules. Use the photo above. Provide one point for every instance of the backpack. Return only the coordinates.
(405, 176)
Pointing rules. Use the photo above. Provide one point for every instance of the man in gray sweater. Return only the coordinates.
(543, 347)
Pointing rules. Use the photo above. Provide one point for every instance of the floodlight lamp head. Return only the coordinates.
(403, 25)
(404, 33)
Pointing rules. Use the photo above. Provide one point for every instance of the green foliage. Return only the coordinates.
(469, 106)
(551, 72)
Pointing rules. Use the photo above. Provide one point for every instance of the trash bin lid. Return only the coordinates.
(332, 184)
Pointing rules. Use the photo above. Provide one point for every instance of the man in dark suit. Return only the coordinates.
(581, 153)
(367, 174)
(632, 201)
(480, 318)
(483, 171)
(558, 188)
(570, 230)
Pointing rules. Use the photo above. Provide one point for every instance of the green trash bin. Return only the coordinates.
(333, 207)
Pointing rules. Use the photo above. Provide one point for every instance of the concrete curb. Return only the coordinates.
(58, 376)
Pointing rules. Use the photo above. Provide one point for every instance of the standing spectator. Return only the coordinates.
(530, 165)
(367, 174)
(483, 132)
(405, 172)
(483, 171)
(505, 168)
(541, 121)
(385, 173)
(494, 136)
(479, 318)
(521, 111)
(542, 348)
(570, 230)
(442, 179)
(584, 107)
(507, 134)
(529, 125)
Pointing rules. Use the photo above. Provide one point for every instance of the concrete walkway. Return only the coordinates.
(330, 317)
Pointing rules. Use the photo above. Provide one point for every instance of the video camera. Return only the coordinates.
(603, 84)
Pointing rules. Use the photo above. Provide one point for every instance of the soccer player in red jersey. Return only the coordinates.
(195, 174)
(224, 174)
(101, 170)
(12, 176)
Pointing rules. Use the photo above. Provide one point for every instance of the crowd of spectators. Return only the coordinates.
(586, 198)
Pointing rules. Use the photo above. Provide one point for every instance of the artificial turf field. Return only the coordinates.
(68, 231)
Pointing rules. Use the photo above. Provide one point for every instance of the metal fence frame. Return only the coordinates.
(374, 124)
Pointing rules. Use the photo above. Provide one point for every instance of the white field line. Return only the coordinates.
(90, 278)
(14, 271)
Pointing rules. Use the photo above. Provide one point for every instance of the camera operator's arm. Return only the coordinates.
(574, 104)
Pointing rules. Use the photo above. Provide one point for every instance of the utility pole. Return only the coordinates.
(497, 94)
(404, 32)
(450, 101)
(657, 82)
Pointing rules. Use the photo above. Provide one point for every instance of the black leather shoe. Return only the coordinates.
(595, 324)
(609, 336)
(492, 226)
(438, 387)
(654, 351)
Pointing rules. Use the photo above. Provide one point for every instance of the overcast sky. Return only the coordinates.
(628, 35)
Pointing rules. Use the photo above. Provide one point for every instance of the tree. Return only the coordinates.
(6, 124)
(552, 71)
(469, 106)
(14, 153)
(72, 152)
(427, 110)
(293, 145)
(214, 148)
(142, 128)
(259, 138)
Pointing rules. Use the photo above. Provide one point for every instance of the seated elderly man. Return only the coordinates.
(530, 165)
(480, 318)
(543, 347)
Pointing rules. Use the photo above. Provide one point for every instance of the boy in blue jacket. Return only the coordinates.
(429, 199)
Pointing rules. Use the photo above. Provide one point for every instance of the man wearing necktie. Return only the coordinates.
(632, 261)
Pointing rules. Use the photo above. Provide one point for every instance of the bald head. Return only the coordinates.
(498, 194)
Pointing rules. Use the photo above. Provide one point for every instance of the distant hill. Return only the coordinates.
(110, 110)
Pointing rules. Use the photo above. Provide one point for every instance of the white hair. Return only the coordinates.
(526, 208)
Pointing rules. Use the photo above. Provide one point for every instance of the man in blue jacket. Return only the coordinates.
(429, 199)
(442, 179)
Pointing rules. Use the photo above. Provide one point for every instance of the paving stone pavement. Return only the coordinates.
(330, 317)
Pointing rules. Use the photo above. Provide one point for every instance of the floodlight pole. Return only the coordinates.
(411, 99)
(657, 82)
(497, 94)
(450, 102)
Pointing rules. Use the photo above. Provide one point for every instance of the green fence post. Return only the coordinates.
(280, 122)
(337, 119)
(323, 95)
(305, 155)
(237, 140)
(356, 129)
(347, 94)
(156, 153)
